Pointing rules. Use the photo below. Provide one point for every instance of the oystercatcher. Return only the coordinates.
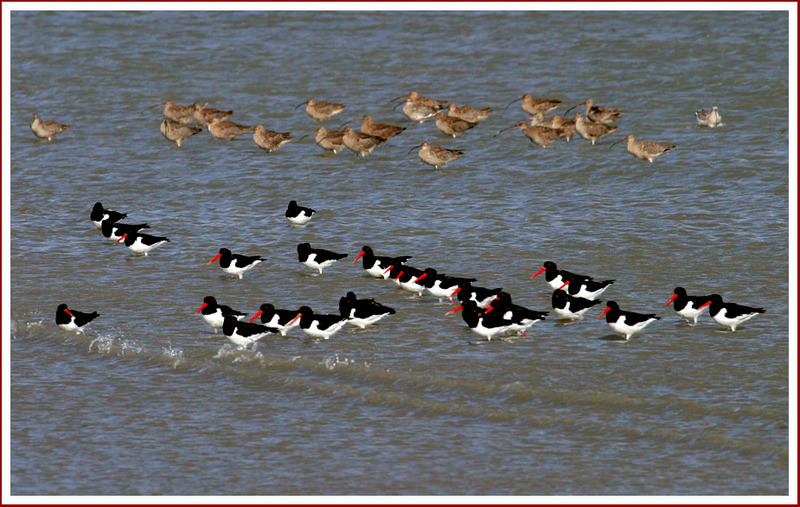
(282, 320)
(236, 264)
(114, 231)
(482, 322)
(100, 214)
(378, 265)
(319, 325)
(214, 314)
(298, 215)
(554, 276)
(480, 295)
(688, 307)
(317, 258)
(521, 317)
(407, 278)
(73, 320)
(440, 285)
(586, 287)
(244, 334)
(362, 312)
(140, 243)
(571, 307)
(626, 323)
(730, 315)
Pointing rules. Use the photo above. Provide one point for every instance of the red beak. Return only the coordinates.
(123, 237)
(538, 272)
(671, 299)
(256, 315)
(358, 256)
(215, 258)
(294, 319)
(454, 310)
(604, 311)
(565, 284)
(69, 312)
(704, 305)
(201, 308)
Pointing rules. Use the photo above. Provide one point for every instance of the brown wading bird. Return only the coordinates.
(533, 106)
(436, 156)
(176, 132)
(452, 125)
(227, 129)
(270, 140)
(592, 131)
(330, 140)
(708, 118)
(360, 143)
(467, 113)
(46, 129)
(321, 111)
(204, 114)
(644, 150)
(180, 114)
(541, 135)
(418, 108)
(598, 114)
(565, 125)
(383, 130)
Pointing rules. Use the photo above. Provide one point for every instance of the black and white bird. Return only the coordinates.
(140, 243)
(571, 307)
(282, 320)
(379, 265)
(236, 264)
(317, 258)
(113, 231)
(481, 322)
(214, 314)
(730, 315)
(441, 286)
(626, 323)
(73, 320)
(100, 214)
(688, 307)
(298, 215)
(362, 312)
(521, 317)
(244, 334)
(319, 325)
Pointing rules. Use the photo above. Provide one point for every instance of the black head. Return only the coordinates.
(303, 247)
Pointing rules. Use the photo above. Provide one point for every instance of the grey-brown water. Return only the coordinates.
(150, 401)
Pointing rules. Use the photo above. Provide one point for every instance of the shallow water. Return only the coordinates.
(150, 402)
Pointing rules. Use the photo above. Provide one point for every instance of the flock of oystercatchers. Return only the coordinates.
(489, 312)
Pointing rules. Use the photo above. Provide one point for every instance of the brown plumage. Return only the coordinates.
(645, 150)
(533, 106)
(437, 156)
(541, 135)
(360, 143)
(180, 114)
(591, 130)
(330, 140)
(176, 132)
(227, 129)
(204, 114)
(383, 130)
(599, 114)
(467, 113)
(452, 125)
(46, 129)
(320, 110)
(270, 140)
(419, 108)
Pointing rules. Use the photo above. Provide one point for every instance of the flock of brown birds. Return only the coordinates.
(178, 125)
